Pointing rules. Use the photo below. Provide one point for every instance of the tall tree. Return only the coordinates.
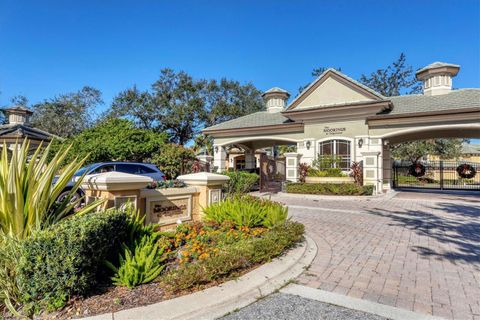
(181, 106)
(399, 78)
(414, 151)
(228, 99)
(68, 114)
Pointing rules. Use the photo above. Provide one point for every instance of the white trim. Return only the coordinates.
(429, 128)
(247, 139)
(352, 147)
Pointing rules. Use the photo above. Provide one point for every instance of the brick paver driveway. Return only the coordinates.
(418, 252)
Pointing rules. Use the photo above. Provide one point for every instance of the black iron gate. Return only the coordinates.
(270, 181)
(443, 175)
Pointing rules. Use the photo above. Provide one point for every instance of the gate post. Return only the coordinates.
(441, 174)
(292, 160)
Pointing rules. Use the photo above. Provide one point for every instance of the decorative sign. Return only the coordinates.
(166, 211)
(215, 195)
(333, 131)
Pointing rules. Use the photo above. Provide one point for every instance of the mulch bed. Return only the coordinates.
(112, 299)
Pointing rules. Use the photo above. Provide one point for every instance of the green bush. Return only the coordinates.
(240, 182)
(236, 256)
(173, 159)
(329, 189)
(247, 211)
(9, 257)
(329, 172)
(143, 265)
(67, 258)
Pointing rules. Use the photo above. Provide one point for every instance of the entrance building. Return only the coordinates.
(336, 115)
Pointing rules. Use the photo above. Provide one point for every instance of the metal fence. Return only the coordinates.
(443, 175)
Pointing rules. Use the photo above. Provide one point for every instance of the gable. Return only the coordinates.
(333, 88)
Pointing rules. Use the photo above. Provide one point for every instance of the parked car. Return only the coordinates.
(143, 169)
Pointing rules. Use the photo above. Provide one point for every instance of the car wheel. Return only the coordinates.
(65, 193)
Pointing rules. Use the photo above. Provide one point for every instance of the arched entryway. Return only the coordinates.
(431, 172)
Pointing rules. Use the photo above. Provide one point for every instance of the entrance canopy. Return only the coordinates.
(335, 110)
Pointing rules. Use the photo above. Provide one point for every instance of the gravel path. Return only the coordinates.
(281, 306)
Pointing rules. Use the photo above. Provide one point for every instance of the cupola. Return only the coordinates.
(18, 115)
(276, 99)
(437, 78)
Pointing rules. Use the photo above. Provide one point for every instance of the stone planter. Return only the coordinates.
(337, 180)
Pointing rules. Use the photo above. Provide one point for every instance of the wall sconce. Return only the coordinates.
(360, 142)
(216, 149)
(308, 144)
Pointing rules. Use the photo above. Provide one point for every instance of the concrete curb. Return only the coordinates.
(355, 303)
(217, 301)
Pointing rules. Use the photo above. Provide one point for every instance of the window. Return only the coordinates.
(103, 169)
(127, 168)
(338, 148)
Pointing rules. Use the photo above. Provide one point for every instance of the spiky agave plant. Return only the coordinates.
(29, 193)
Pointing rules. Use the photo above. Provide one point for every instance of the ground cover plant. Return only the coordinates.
(330, 189)
(116, 252)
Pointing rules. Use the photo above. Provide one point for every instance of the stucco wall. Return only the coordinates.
(332, 92)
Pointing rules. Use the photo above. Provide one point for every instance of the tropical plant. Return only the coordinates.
(357, 173)
(323, 162)
(303, 171)
(141, 265)
(29, 189)
(247, 211)
(329, 172)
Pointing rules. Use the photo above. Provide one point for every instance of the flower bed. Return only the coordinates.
(349, 189)
(150, 266)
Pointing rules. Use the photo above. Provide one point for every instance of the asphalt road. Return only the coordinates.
(281, 306)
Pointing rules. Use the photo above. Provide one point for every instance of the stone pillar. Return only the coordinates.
(116, 187)
(371, 168)
(292, 166)
(209, 185)
(250, 161)
(387, 167)
(220, 155)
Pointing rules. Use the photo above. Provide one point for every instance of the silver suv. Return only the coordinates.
(143, 169)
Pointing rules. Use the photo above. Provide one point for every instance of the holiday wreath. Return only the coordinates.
(417, 170)
(466, 171)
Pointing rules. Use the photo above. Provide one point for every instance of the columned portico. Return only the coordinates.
(337, 116)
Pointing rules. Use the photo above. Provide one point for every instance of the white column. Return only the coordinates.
(219, 157)
(292, 166)
(387, 166)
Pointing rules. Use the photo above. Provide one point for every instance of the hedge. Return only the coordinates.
(329, 189)
(240, 182)
(67, 258)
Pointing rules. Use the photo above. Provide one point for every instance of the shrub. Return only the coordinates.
(323, 162)
(143, 265)
(329, 188)
(329, 172)
(236, 256)
(9, 258)
(247, 211)
(28, 196)
(67, 258)
(357, 173)
(240, 182)
(173, 160)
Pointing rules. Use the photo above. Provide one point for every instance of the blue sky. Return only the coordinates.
(53, 47)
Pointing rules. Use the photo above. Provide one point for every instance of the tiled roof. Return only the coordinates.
(438, 64)
(275, 89)
(23, 131)
(469, 148)
(457, 99)
(257, 119)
